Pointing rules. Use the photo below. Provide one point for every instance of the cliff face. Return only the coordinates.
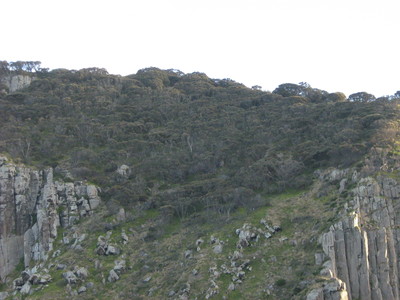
(32, 207)
(16, 82)
(364, 246)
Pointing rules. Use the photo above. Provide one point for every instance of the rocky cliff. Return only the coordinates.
(16, 82)
(32, 206)
(362, 249)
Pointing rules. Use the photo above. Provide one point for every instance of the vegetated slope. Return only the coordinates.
(201, 158)
(190, 141)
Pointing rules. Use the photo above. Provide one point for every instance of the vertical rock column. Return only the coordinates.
(364, 246)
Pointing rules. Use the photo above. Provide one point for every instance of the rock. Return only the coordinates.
(231, 287)
(121, 216)
(217, 249)
(124, 171)
(151, 291)
(101, 250)
(283, 239)
(124, 237)
(335, 290)
(327, 269)
(82, 289)
(3, 295)
(316, 294)
(45, 279)
(27, 195)
(26, 288)
(111, 250)
(113, 276)
(89, 285)
(171, 293)
(78, 248)
(188, 254)
(212, 290)
(60, 267)
(97, 264)
(236, 255)
(81, 273)
(18, 283)
(199, 242)
(319, 258)
(17, 82)
(70, 277)
(120, 266)
(342, 185)
(357, 243)
(3, 160)
(277, 228)
(147, 279)
(25, 275)
(213, 240)
(195, 272)
(267, 235)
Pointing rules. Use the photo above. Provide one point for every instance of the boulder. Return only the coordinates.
(70, 277)
(113, 276)
(18, 283)
(26, 288)
(217, 249)
(81, 272)
(124, 171)
(111, 250)
(119, 266)
(82, 289)
(188, 254)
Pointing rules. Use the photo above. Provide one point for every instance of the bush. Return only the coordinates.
(280, 282)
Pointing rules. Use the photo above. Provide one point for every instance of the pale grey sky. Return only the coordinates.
(336, 45)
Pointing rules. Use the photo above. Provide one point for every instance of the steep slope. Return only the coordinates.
(210, 189)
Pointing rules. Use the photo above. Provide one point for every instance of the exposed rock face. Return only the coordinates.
(17, 82)
(364, 246)
(32, 206)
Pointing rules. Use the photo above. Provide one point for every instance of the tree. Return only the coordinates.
(290, 89)
(336, 97)
(24, 66)
(361, 97)
(4, 67)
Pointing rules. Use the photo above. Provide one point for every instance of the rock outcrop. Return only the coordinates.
(364, 246)
(32, 206)
(16, 82)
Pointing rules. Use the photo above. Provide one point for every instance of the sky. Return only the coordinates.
(335, 45)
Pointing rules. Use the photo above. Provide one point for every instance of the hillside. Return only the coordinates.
(208, 189)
